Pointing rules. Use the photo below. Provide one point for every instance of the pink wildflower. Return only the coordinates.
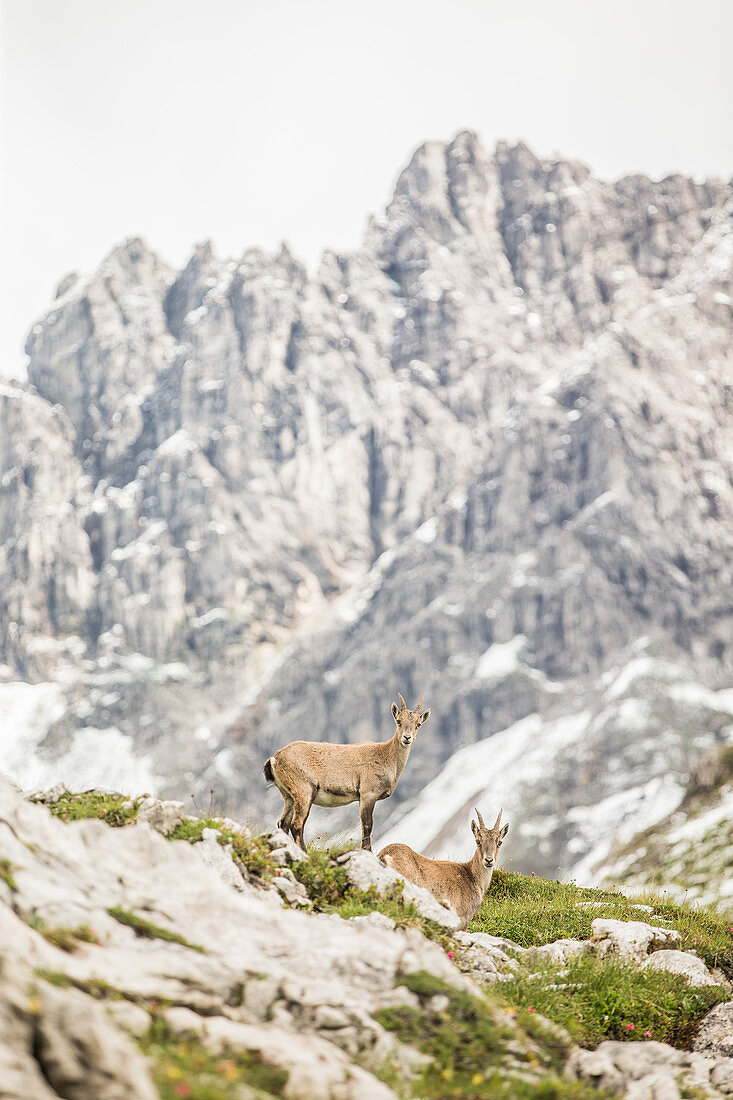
(647, 1034)
(630, 1027)
(451, 954)
(531, 1010)
(182, 1089)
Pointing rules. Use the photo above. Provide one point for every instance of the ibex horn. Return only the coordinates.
(496, 826)
(419, 705)
(480, 819)
(403, 704)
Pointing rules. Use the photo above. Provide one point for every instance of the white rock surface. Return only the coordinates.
(162, 816)
(260, 969)
(364, 871)
(630, 938)
(685, 963)
(715, 1035)
(650, 1071)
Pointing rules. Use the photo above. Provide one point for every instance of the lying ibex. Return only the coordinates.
(333, 775)
(461, 885)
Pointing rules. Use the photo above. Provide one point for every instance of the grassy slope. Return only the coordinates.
(590, 998)
(532, 911)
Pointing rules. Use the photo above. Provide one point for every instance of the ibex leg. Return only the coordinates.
(299, 816)
(287, 814)
(366, 808)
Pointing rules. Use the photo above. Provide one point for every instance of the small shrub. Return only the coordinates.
(330, 891)
(55, 977)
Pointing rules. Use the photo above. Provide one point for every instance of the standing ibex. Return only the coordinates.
(461, 885)
(333, 775)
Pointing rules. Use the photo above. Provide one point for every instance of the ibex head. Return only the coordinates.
(489, 841)
(408, 721)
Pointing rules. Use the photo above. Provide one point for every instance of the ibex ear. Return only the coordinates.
(504, 831)
(395, 711)
(475, 829)
(424, 717)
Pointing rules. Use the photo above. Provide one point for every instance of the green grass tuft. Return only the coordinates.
(67, 939)
(55, 977)
(114, 810)
(596, 999)
(148, 930)
(183, 1067)
(6, 874)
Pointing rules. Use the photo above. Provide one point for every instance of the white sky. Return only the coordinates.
(253, 121)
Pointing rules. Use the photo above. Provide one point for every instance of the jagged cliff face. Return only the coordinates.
(481, 459)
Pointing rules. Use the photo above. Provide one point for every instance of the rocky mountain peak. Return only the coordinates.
(481, 458)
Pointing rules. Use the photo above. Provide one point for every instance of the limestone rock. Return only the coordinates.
(649, 1071)
(161, 816)
(561, 950)
(83, 1056)
(715, 1034)
(364, 871)
(484, 957)
(685, 963)
(378, 920)
(280, 842)
(629, 939)
(485, 940)
(219, 858)
(316, 1068)
(293, 891)
(301, 990)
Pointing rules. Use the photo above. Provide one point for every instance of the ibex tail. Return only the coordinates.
(267, 771)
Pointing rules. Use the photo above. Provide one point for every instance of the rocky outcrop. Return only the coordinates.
(653, 1070)
(482, 458)
(294, 988)
(118, 944)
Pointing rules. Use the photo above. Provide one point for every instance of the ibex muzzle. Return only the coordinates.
(308, 772)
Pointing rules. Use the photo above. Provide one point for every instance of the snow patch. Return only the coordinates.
(618, 818)
(699, 696)
(501, 659)
(27, 711)
(428, 531)
(696, 827)
(95, 758)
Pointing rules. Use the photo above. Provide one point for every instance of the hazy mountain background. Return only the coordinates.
(484, 458)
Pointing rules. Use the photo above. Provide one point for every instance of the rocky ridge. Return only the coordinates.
(167, 947)
(689, 854)
(483, 458)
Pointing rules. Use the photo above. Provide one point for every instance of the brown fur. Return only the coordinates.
(461, 885)
(308, 772)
